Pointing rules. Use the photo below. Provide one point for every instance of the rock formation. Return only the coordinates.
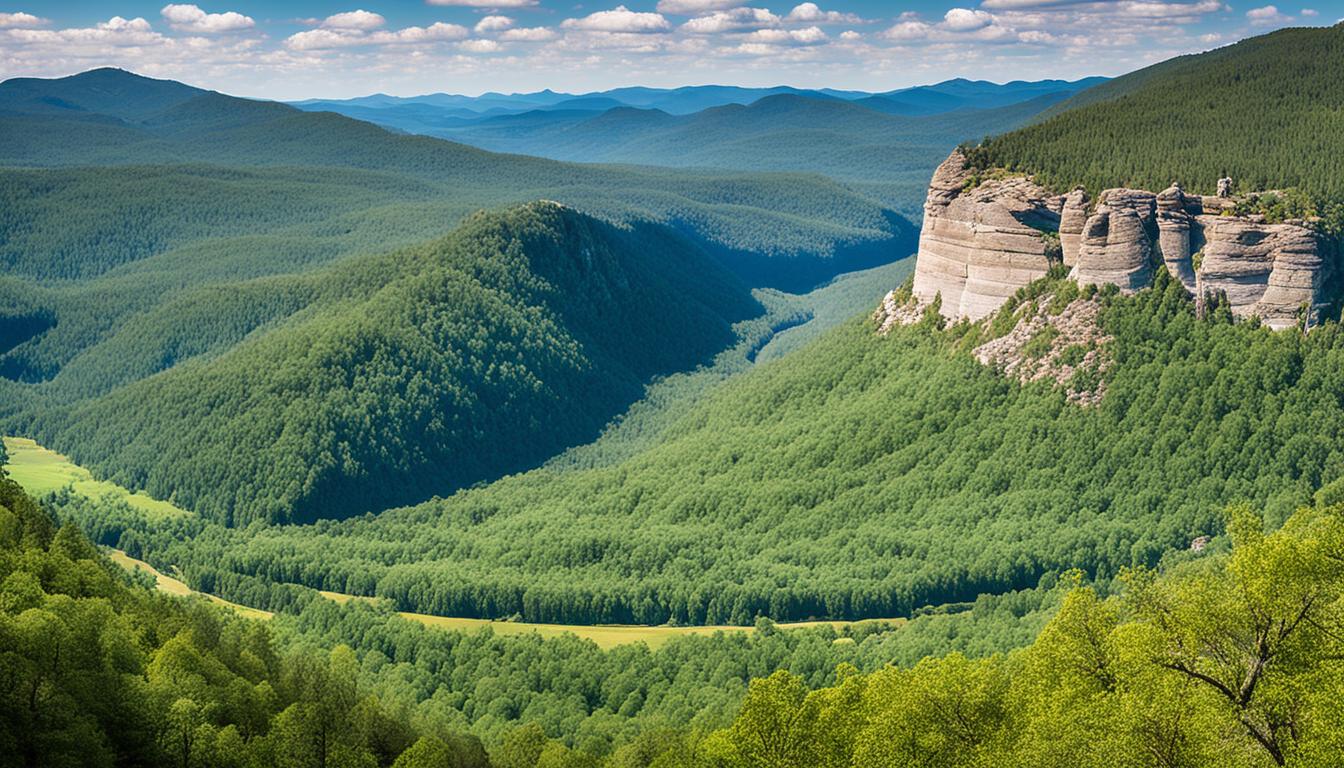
(1072, 219)
(984, 239)
(980, 242)
(1176, 235)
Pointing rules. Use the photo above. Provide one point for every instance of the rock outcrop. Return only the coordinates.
(1116, 244)
(980, 242)
(984, 239)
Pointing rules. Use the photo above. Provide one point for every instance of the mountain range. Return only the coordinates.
(883, 145)
(409, 399)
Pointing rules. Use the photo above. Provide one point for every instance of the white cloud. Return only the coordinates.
(695, 7)
(486, 3)
(190, 18)
(1160, 10)
(1268, 14)
(434, 32)
(528, 35)
(493, 24)
(964, 20)
(735, 20)
(1310, 12)
(360, 19)
(114, 31)
(619, 19)
(325, 39)
(808, 36)
(908, 30)
(1014, 5)
(962, 26)
(850, 35)
(810, 13)
(479, 46)
(1036, 37)
(15, 20)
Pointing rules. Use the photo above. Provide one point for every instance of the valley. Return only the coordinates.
(958, 425)
(40, 472)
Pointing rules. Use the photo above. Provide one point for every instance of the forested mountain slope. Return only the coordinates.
(1268, 111)
(1229, 660)
(860, 476)
(800, 231)
(389, 379)
(126, 676)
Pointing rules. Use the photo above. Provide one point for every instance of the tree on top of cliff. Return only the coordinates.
(1268, 111)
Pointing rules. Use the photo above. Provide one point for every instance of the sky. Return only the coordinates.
(344, 48)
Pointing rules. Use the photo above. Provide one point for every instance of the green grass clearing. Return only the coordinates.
(606, 636)
(166, 583)
(41, 471)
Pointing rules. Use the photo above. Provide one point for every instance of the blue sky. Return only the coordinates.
(338, 48)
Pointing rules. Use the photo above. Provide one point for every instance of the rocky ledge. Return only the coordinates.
(984, 238)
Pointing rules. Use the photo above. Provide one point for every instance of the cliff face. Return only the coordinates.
(982, 241)
(979, 245)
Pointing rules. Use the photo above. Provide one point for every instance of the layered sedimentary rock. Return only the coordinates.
(1116, 244)
(980, 244)
(1072, 219)
(1274, 271)
(982, 241)
(1178, 235)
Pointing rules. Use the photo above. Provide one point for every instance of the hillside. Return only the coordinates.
(130, 676)
(800, 231)
(860, 476)
(390, 379)
(1268, 112)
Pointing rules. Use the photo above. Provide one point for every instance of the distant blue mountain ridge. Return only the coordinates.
(883, 145)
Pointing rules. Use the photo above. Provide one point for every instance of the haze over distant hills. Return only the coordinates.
(881, 144)
(959, 93)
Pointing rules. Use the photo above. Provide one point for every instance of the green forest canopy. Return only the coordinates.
(1220, 658)
(1267, 111)
(861, 476)
(390, 379)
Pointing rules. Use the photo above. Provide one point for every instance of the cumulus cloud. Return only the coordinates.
(808, 36)
(1014, 5)
(811, 13)
(908, 30)
(1100, 8)
(190, 18)
(528, 35)
(961, 25)
(695, 7)
(1268, 14)
(479, 46)
(485, 3)
(325, 38)
(734, 20)
(18, 20)
(493, 24)
(619, 19)
(850, 36)
(964, 20)
(116, 31)
(1160, 10)
(360, 19)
